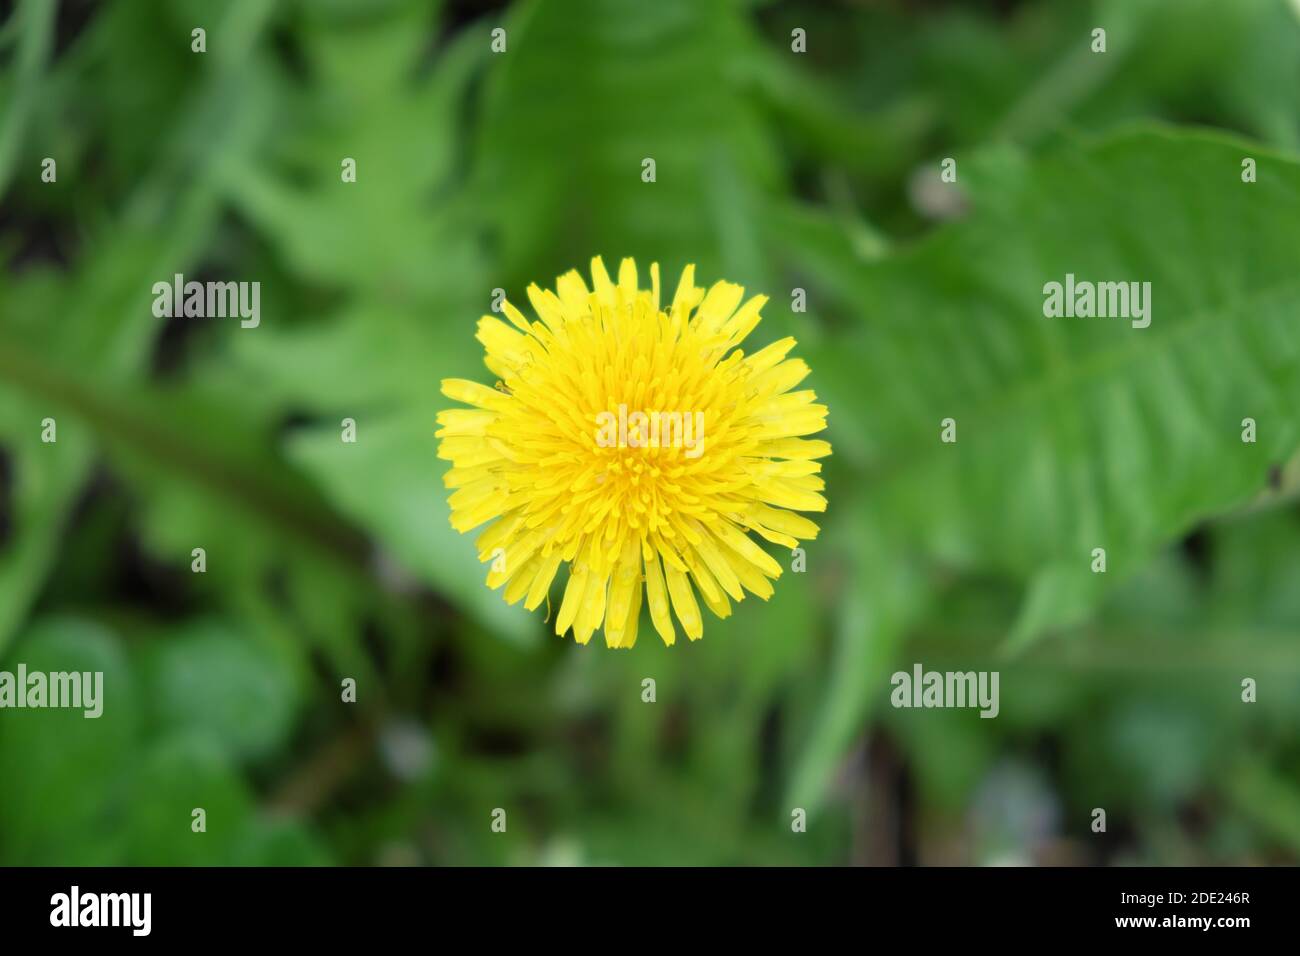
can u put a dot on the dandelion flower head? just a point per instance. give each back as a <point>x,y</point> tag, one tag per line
<point>637,445</point>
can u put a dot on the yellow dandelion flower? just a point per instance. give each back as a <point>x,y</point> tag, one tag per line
<point>636,445</point>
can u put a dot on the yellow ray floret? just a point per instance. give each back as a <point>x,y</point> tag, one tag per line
<point>636,444</point>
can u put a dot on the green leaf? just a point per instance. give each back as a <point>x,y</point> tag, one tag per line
<point>390,481</point>
<point>872,616</point>
<point>1268,799</point>
<point>208,482</point>
<point>559,177</point>
<point>410,294</point>
<point>398,130</point>
<point>1077,433</point>
<point>277,842</point>
<point>98,316</point>
<point>207,680</point>
<point>61,770</point>
<point>34,23</point>
<point>181,774</point>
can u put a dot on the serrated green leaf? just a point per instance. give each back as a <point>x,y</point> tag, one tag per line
<point>1076,433</point>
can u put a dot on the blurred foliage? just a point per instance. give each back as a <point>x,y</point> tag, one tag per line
<point>479,171</point>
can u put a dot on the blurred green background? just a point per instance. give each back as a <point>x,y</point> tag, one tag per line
<point>777,169</point>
